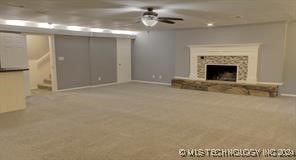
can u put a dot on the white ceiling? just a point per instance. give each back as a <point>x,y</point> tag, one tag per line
<point>123,14</point>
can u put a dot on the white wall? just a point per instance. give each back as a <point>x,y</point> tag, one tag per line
<point>37,46</point>
<point>39,59</point>
<point>38,72</point>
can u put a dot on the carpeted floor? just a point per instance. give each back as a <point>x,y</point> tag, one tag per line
<point>137,121</point>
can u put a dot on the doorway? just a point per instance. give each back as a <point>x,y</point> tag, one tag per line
<point>40,60</point>
<point>123,60</point>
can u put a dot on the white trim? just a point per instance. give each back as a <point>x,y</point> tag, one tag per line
<point>288,95</point>
<point>93,86</point>
<point>53,65</point>
<point>250,49</point>
<point>223,45</point>
<point>149,82</point>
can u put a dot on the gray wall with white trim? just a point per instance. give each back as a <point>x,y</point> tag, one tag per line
<point>289,86</point>
<point>154,52</point>
<point>85,59</point>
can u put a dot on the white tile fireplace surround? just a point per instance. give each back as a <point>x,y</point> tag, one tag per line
<point>244,56</point>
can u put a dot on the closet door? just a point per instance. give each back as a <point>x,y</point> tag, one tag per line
<point>72,61</point>
<point>102,60</point>
<point>123,60</point>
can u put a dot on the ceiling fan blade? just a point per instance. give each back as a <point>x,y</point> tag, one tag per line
<point>166,21</point>
<point>170,18</point>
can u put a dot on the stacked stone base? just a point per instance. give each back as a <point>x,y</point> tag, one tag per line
<point>228,87</point>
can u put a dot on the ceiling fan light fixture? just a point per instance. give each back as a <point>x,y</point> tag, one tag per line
<point>149,20</point>
<point>210,24</point>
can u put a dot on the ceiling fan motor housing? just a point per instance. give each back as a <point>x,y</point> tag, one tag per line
<point>149,18</point>
<point>150,13</point>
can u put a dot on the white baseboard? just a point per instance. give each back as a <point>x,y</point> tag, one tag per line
<point>93,86</point>
<point>149,82</point>
<point>288,95</point>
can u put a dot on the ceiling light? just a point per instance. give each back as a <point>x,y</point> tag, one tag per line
<point>123,32</point>
<point>15,22</point>
<point>45,25</point>
<point>210,24</point>
<point>149,20</point>
<point>96,30</point>
<point>74,28</point>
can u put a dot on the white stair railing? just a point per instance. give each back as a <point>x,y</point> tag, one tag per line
<point>44,58</point>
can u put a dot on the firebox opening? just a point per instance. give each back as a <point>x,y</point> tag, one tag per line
<point>221,72</point>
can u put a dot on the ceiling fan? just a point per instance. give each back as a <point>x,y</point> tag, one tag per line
<point>150,18</point>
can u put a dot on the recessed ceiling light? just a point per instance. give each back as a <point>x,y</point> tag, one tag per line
<point>210,24</point>
<point>46,25</point>
<point>96,30</point>
<point>15,22</point>
<point>74,28</point>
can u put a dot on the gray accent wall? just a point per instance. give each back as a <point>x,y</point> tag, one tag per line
<point>74,70</point>
<point>154,54</point>
<point>85,60</point>
<point>270,35</point>
<point>103,60</point>
<point>290,61</point>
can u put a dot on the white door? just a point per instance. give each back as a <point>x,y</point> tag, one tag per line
<point>123,59</point>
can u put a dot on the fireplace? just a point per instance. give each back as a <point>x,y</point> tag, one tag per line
<point>221,72</point>
<point>242,56</point>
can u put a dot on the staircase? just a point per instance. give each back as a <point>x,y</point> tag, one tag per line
<point>46,85</point>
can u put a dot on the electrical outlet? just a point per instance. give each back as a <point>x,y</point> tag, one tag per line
<point>99,78</point>
<point>160,77</point>
<point>61,58</point>
<point>153,76</point>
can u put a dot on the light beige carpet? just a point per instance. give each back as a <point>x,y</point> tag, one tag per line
<point>143,122</point>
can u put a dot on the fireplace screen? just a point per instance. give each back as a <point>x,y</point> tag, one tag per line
<point>221,72</point>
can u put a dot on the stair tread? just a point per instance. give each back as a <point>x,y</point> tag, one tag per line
<point>45,86</point>
<point>47,81</point>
